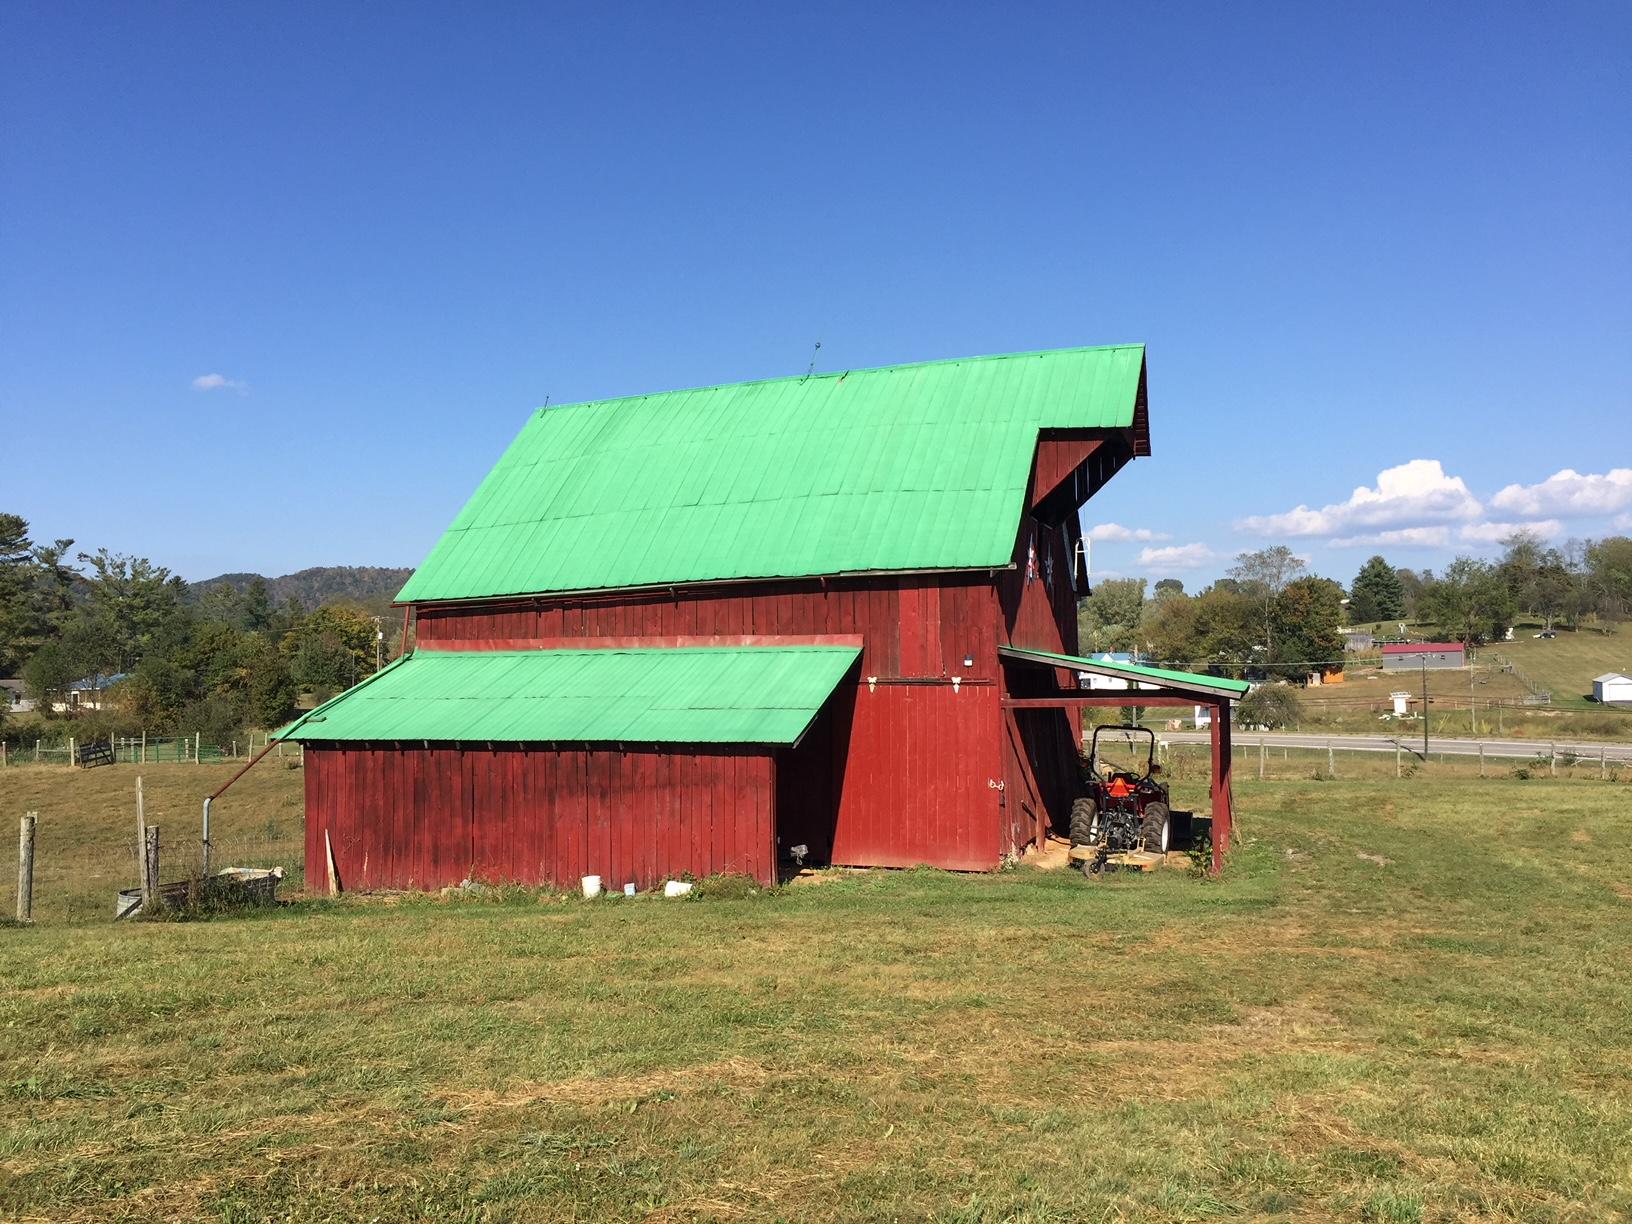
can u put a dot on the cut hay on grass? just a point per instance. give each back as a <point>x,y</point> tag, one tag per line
<point>1440,1035</point>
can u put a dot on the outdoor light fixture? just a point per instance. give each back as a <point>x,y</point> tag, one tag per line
<point>968,660</point>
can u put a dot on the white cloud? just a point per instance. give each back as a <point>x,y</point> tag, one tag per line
<point>1176,557</point>
<point>1400,537</point>
<point>219,382</point>
<point>1406,496</point>
<point>1569,493</point>
<point>1116,532</point>
<point>1494,533</point>
<point>1623,522</point>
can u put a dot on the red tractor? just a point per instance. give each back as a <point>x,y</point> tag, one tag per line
<point>1125,809</point>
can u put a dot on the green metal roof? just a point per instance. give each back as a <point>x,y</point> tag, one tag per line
<point>701,695</point>
<point>911,467</point>
<point>1193,682</point>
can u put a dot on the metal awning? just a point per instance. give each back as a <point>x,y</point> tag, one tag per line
<point>1205,689</point>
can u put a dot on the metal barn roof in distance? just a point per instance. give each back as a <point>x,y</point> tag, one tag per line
<point>689,695</point>
<point>908,467</point>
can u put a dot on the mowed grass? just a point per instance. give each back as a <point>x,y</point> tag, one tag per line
<point>1567,663</point>
<point>1405,1001</point>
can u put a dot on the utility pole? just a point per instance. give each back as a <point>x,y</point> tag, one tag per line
<point>1425,708</point>
<point>379,643</point>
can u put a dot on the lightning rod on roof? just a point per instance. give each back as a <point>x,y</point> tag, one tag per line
<point>811,369</point>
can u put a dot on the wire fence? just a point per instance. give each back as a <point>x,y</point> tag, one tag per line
<point>81,882</point>
<point>141,750</point>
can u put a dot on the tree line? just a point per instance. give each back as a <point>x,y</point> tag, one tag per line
<point>161,657</point>
<point>1270,617</point>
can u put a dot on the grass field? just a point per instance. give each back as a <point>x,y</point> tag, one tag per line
<point>1406,1001</point>
<point>1565,665</point>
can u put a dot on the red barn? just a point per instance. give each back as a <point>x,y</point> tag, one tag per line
<point>690,632</point>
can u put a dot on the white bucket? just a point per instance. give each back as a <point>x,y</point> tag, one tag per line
<point>677,888</point>
<point>592,886</point>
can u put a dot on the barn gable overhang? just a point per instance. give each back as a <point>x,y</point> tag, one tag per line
<point>920,468</point>
<point>766,695</point>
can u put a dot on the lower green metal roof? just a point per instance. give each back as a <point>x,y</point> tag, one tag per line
<point>692,695</point>
<point>1191,682</point>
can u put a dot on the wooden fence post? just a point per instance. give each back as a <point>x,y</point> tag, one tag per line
<point>25,867</point>
<point>1603,762</point>
<point>1262,753</point>
<point>1481,758</point>
<point>1331,761</point>
<point>198,739</point>
<point>1397,770</point>
<point>1552,759</point>
<point>150,870</point>
<point>36,752</point>
<point>144,745</point>
<point>71,758</point>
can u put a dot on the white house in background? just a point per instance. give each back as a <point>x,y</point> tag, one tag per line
<point>1612,686</point>
<point>13,699</point>
<point>1094,680</point>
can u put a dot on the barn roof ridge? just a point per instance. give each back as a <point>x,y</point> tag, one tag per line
<point>610,401</point>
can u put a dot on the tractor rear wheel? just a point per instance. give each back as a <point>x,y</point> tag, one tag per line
<point>1155,826</point>
<point>1084,822</point>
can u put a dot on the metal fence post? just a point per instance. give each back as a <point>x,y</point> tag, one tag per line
<point>25,867</point>
<point>206,870</point>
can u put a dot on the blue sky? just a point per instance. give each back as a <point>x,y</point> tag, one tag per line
<point>278,283</point>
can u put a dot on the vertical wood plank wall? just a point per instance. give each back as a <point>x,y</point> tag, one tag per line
<point>906,762</point>
<point>402,816</point>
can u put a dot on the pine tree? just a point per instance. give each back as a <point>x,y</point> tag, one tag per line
<point>1378,594</point>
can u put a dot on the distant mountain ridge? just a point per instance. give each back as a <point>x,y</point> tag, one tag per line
<point>363,584</point>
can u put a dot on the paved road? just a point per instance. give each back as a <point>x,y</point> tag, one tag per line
<point>1587,750</point>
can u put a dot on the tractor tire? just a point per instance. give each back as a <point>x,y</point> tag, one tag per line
<point>1156,827</point>
<point>1084,822</point>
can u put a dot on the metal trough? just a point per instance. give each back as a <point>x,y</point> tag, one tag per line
<point>244,885</point>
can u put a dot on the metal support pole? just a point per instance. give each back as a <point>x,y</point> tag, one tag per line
<point>207,802</point>
<point>25,867</point>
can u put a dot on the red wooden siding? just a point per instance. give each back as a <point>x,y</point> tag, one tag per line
<point>900,775</point>
<point>916,625</point>
<point>401,816</point>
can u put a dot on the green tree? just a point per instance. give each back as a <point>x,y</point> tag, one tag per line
<point>1269,705</point>
<point>136,606</point>
<point>17,610</point>
<point>1108,619</point>
<point>1608,565</point>
<point>255,612</point>
<point>1166,588</point>
<point>1377,594</point>
<point>332,649</point>
<point>1308,622</point>
<point>1469,600</point>
<point>1263,575</point>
